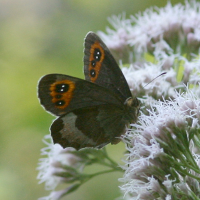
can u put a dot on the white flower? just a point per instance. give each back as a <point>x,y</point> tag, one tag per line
<point>159,150</point>
<point>170,26</point>
<point>55,195</point>
<point>117,39</point>
<point>55,158</point>
<point>138,79</point>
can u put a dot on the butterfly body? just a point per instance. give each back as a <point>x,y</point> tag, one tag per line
<point>92,112</point>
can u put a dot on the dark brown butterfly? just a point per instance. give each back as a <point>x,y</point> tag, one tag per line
<point>92,112</point>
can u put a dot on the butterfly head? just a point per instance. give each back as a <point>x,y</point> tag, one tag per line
<point>132,109</point>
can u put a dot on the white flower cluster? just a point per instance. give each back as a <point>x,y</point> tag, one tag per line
<point>157,41</point>
<point>139,78</point>
<point>164,151</point>
<point>55,158</point>
<point>164,146</point>
<point>67,166</point>
<point>156,28</point>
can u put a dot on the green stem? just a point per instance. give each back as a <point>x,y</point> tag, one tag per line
<point>112,163</point>
<point>88,177</point>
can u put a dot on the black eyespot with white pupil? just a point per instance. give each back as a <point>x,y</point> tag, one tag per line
<point>60,103</point>
<point>93,63</point>
<point>92,73</point>
<point>97,54</point>
<point>58,96</point>
<point>61,88</point>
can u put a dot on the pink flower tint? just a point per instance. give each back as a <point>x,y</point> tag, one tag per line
<point>56,158</point>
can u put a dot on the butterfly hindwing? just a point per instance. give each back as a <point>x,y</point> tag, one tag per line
<point>89,127</point>
<point>60,94</point>
<point>101,68</point>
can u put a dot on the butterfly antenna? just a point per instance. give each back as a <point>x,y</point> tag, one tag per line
<point>155,78</point>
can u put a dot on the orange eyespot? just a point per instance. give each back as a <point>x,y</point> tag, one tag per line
<point>62,92</point>
<point>97,56</point>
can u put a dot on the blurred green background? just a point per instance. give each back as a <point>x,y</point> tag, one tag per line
<point>36,38</point>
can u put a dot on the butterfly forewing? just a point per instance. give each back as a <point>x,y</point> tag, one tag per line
<point>61,94</point>
<point>101,68</point>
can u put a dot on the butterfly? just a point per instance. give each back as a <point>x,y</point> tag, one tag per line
<point>91,112</point>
